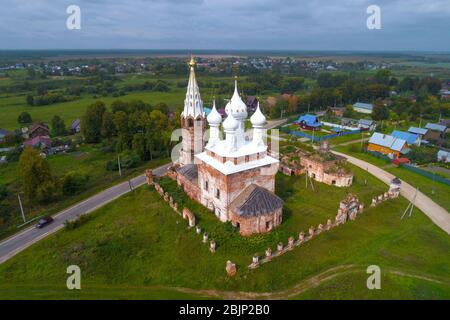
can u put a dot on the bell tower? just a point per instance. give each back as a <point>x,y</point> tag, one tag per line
<point>193,120</point>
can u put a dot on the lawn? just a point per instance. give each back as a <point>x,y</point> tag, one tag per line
<point>436,190</point>
<point>88,160</point>
<point>137,247</point>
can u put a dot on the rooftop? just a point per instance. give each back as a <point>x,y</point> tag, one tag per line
<point>255,201</point>
<point>411,138</point>
<point>387,141</point>
<point>417,130</point>
<point>436,127</point>
<point>362,105</point>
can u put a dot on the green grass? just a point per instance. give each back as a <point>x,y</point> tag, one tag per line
<point>87,160</point>
<point>393,286</point>
<point>137,245</point>
<point>12,106</point>
<point>438,191</point>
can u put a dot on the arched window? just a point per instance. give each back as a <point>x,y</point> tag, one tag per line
<point>190,123</point>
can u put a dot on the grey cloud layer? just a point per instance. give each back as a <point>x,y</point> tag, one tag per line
<point>227,24</point>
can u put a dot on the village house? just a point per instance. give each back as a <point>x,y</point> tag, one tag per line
<point>443,156</point>
<point>411,138</point>
<point>388,145</point>
<point>435,131</point>
<point>38,129</point>
<point>366,124</point>
<point>75,127</point>
<point>40,142</point>
<point>363,107</point>
<point>309,122</point>
<point>3,134</point>
<point>251,103</point>
<point>337,111</point>
<point>233,177</point>
<point>420,132</point>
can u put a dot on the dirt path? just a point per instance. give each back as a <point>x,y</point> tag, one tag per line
<point>349,142</point>
<point>435,212</point>
<point>301,287</point>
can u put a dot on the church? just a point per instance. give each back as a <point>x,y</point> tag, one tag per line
<point>233,176</point>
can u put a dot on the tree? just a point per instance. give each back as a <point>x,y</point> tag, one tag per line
<point>91,122</point>
<point>24,118</point>
<point>37,180</point>
<point>74,183</point>
<point>108,127</point>
<point>30,99</point>
<point>58,126</point>
<point>380,111</point>
<point>349,111</point>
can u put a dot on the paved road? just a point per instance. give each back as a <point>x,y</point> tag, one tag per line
<point>435,212</point>
<point>18,242</point>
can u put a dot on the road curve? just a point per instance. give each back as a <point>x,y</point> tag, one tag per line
<point>435,212</point>
<point>22,240</point>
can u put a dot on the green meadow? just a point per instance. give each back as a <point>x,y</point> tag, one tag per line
<point>137,247</point>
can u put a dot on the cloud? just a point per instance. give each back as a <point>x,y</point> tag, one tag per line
<point>226,24</point>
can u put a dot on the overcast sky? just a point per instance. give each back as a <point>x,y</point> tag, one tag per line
<point>226,24</point>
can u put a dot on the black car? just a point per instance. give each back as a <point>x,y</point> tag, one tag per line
<point>44,221</point>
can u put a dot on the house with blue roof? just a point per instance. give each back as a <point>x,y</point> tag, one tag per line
<point>309,122</point>
<point>419,131</point>
<point>388,145</point>
<point>363,107</point>
<point>435,131</point>
<point>411,138</point>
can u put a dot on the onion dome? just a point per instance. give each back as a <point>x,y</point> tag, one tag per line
<point>236,106</point>
<point>258,119</point>
<point>214,116</point>
<point>230,123</point>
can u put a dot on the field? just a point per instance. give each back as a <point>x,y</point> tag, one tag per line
<point>12,106</point>
<point>137,247</point>
<point>437,191</point>
<point>88,160</point>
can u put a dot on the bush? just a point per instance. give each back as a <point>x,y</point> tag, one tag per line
<point>14,155</point>
<point>73,224</point>
<point>3,192</point>
<point>73,183</point>
<point>127,160</point>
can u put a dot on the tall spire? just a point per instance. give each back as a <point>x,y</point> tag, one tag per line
<point>193,104</point>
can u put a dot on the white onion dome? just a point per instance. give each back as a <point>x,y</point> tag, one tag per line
<point>236,106</point>
<point>258,119</point>
<point>230,123</point>
<point>214,116</point>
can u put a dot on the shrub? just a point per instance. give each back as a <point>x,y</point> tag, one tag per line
<point>73,224</point>
<point>127,160</point>
<point>3,192</point>
<point>74,183</point>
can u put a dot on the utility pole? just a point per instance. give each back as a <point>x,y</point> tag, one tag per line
<point>118,163</point>
<point>410,206</point>
<point>21,208</point>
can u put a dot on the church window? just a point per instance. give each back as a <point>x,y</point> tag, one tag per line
<point>217,193</point>
<point>206,185</point>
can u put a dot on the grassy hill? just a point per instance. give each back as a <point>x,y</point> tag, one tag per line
<point>137,247</point>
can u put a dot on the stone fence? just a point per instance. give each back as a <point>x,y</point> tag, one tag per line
<point>185,214</point>
<point>349,208</point>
